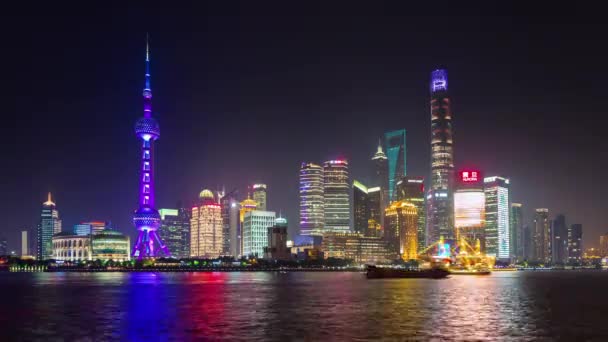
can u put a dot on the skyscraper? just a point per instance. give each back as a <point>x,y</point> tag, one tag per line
<point>559,240</point>
<point>360,208</point>
<point>470,211</point>
<point>25,250</point>
<point>245,206</point>
<point>312,208</point>
<point>206,227</point>
<point>146,218</point>
<point>255,232</point>
<point>497,229</point>
<point>175,229</point>
<point>440,214</point>
<point>83,229</point>
<point>380,175</point>
<point>3,246</point>
<point>260,195</point>
<point>375,207</point>
<point>49,224</point>
<point>604,245</point>
<point>517,232</point>
<point>395,151</point>
<point>277,241</point>
<point>575,243</point>
<point>336,195</point>
<point>411,189</point>
<point>230,221</point>
<point>540,236</point>
<point>401,229</point>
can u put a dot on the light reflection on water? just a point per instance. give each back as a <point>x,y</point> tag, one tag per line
<point>516,306</point>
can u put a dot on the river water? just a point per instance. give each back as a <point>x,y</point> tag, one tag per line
<point>313,306</point>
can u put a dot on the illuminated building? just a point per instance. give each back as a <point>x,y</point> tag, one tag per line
<point>375,205</point>
<point>528,243</point>
<point>146,218</point>
<point>541,236</point>
<point>83,229</point>
<point>110,245</point>
<point>497,230</point>
<point>255,232</point>
<point>604,245</point>
<point>277,241</point>
<point>245,207</point>
<point>401,229</point>
<point>559,240</point>
<point>260,195</point>
<point>312,209</point>
<point>206,227</point>
<point>575,243</point>
<point>3,246</point>
<point>440,214</point>
<point>380,175</point>
<point>411,189</point>
<point>356,247</point>
<point>175,229</point>
<point>360,208</point>
<point>396,153</point>
<point>336,196</point>
<point>69,247</point>
<point>49,225</point>
<point>230,223</point>
<point>470,215</point>
<point>517,232</point>
<point>25,251</point>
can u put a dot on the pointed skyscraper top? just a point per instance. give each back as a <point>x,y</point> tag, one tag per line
<point>147,47</point>
<point>380,153</point>
<point>49,201</point>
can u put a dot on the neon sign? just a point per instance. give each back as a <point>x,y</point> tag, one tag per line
<point>470,176</point>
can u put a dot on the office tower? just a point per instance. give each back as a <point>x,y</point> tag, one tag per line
<point>440,220</point>
<point>175,229</point>
<point>528,243</point>
<point>540,236</point>
<point>411,189</point>
<point>49,224</point>
<point>206,227</point>
<point>230,223</point>
<point>245,206</point>
<point>395,151</point>
<point>360,208</point>
<point>497,229</point>
<point>375,205</point>
<point>604,245</point>
<point>358,248</point>
<point>277,241</point>
<point>470,212</point>
<point>146,218</point>
<point>380,175</point>
<point>255,232</point>
<point>24,243</point>
<point>336,195</point>
<point>559,240</point>
<point>575,243</point>
<point>82,229</point>
<point>260,195</point>
<point>517,232</point>
<point>312,208</point>
<point>401,229</point>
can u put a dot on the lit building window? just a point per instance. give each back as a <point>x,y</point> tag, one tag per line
<point>147,189</point>
<point>146,177</point>
<point>146,154</point>
<point>147,166</point>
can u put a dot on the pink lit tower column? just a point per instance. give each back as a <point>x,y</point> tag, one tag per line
<point>146,217</point>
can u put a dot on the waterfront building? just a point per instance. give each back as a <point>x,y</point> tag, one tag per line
<point>375,205</point>
<point>401,229</point>
<point>604,245</point>
<point>206,227</point>
<point>380,175</point>
<point>559,240</point>
<point>110,245</point>
<point>541,236</point>
<point>82,229</point>
<point>360,208</point>
<point>517,232</point>
<point>25,250</point>
<point>528,243</point>
<point>277,241</point>
<point>146,218</point>
<point>470,217</point>
<point>70,247</point>
<point>356,247</point>
<point>175,229</point>
<point>49,225</point>
<point>260,195</point>
<point>336,196</point>
<point>497,227</point>
<point>575,243</point>
<point>396,153</point>
<point>411,189</point>
<point>230,223</point>
<point>245,206</point>
<point>440,213</point>
<point>312,208</point>
<point>255,232</point>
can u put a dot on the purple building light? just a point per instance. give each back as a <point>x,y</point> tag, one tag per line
<point>146,218</point>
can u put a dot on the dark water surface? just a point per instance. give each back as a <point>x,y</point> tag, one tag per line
<point>517,306</point>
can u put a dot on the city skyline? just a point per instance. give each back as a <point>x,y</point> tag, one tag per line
<point>116,193</point>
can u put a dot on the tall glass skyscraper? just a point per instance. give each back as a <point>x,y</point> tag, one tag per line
<point>497,229</point>
<point>175,229</point>
<point>312,208</point>
<point>336,195</point>
<point>395,151</point>
<point>411,189</point>
<point>380,175</point>
<point>559,240</point>
<point>541,236</point>
<point>230,221</point>
<point>255,232</point>
<point>260,195</point>
<point>517,232</point>
<point>360,208</point>
<point>575,243</point>
<point>440,213</point>
<point>206,227</point>
<point>49,225</point>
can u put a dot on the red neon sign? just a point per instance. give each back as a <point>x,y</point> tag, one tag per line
<point>470,176</point>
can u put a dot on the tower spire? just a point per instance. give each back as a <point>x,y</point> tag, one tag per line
<point>147,89</point>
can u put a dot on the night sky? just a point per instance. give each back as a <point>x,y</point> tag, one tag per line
<point>244,93</point>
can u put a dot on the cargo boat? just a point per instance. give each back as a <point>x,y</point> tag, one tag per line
<point>374,272</point>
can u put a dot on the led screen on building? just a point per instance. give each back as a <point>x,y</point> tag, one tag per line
<point>469,209</point>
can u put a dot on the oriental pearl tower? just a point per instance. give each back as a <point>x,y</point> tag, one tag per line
<point>146,218</point>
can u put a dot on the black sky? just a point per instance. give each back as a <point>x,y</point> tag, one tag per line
<point>244,93</point>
